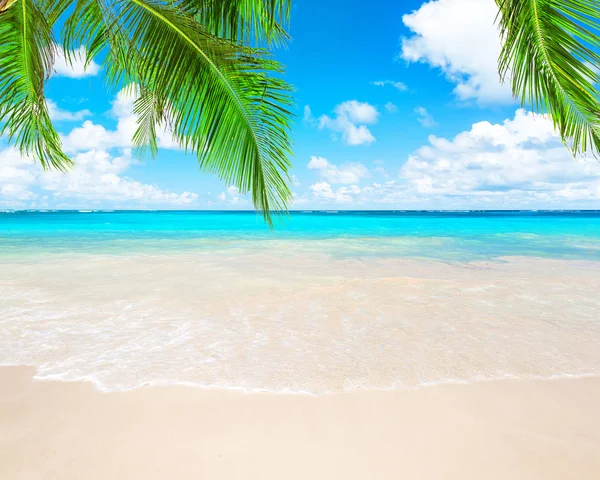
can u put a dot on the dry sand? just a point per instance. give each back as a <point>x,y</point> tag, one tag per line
<point>521,429</point>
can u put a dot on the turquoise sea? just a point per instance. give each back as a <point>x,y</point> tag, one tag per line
<point>449,236</point>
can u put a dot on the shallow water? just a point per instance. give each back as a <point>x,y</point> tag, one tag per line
<point>333,302</point>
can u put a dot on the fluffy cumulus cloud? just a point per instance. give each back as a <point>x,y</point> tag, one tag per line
<point>76,68</point>
<point>98,179</point>
<point>343,195</point>
<point>102,158</point>
<point>232,196</point>
<point>58,114</point>
<point>519,163</point>
<point>94,136</point>
<point>346,174</point>
<point>424,117</point>
<point>397,85</point>
<point>350,120</point>
<point>16,177</point>
<point>461,38</point>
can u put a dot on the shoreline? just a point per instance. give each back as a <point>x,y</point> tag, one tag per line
<point>56,378</point>
<point>317,325</point>
<point>529,429</point>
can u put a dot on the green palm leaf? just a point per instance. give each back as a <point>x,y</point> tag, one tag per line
<point>550,53</point>
<point>26,56</point>
<point>244,20</point>
<point>220,99</point>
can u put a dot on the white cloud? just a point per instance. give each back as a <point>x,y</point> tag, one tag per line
<point>358,112</point>
<point>58,114</point>
<point>519,163</point>
<point>299,199</point>
<point>382,171</point>
<point>97,179</point>
<point>93,136</point>
<point>425,117</point>
<point>397,85</point>
<point>232,196</point>
<point>459,37</point>
<point>98,176</point>
<point>308,116</point>
<point>347,173</point>
<point>351,118</point>
<point>77,67</point>
<point>323,191</point>
<point>317,163</point>
<point>390,107</point>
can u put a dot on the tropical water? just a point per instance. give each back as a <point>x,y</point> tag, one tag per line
<point>325,302</point>
<point>459,236</point>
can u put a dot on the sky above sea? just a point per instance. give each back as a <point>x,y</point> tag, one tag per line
<point>398,106</point>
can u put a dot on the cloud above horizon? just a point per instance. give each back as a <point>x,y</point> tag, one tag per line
<point>98,179</point>
<point>58,114</point>
<point>519,163</point>
<point>350,121</point>
<point>102,158</point>
<point>347,173</point>
<point>460,38</point>
<point>91,135</point>
<point>424,117</point>
<point>400,86</point>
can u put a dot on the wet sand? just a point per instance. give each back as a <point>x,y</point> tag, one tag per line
<point>511,429</point>
<point>302,323</point>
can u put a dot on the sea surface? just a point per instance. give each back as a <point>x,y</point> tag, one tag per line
<point>325,302</point>
<point>451,236</point>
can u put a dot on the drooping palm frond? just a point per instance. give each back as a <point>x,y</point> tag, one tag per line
<point>551,55</point>
<point>221,100</point>
<point>225,102</point>
<point>26,56</point>
<point>244,20</point>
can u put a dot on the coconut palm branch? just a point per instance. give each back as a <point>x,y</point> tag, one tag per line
<point>27,52</point>
<point>551,56</point>
<point>220,98</point>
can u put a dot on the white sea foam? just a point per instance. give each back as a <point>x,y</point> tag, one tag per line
<point>310,325</point>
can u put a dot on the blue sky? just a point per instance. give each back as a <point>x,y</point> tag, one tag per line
<point>398,106</point>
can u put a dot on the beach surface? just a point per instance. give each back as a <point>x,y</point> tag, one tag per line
<point>377,345</point>
<point>510,429</point>
<point>297,323</point>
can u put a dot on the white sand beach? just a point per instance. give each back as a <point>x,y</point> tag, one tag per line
<point>245,366</point>
<point>513,429</point>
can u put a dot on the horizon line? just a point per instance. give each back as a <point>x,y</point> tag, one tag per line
<point>282,212</point>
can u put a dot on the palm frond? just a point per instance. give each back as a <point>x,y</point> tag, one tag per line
<point>221,100</point>
<point>244,20</point>
<point>225,104</point>
<point>94,25</point>
<point>26,56</point>
<point>550,53</point>
<point>151,113</point>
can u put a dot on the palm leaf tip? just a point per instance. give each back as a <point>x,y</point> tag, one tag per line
<point>549,50</point>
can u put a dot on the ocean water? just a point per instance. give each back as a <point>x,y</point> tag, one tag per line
<point>460,236</point>
<point>326,302</point>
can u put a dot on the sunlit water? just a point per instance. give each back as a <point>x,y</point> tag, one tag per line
<point>326,302</point>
